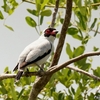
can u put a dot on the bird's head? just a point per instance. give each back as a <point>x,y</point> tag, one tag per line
<point>50,32</point>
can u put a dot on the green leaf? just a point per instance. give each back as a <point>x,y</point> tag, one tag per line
<point>96,29</point>
<point>78,37</point>
<point>21,92</point>
<point>73,90</point>
<point>95,48</point>
<point>69,51</point>
<point>82,23</point>
<point>78,95</point>
<point>38,5</point>
<point>97,72</point>
<point>30,21</point>
<point>72,31</point>
<point>13,92</point>
<point>46,12</point>
<point>9,27</point>
<point>33,12</point>
<point>69,97</point>
<point>81,63</point>
<point>41,20</point>
<point>44,3</point>
<point>93,24</point>
<point>1,15</point>
<point>78,51</point>
<point>85,66</point>
<point>61,96</point>
<point>6,69</point>
<point>85,39</point>
<point>9,6</point>
<point>83,11</point>
<point>61,20</point>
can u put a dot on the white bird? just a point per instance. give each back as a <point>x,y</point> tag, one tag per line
<point>37,52</point>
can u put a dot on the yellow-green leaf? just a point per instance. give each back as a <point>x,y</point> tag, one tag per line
<point>46,12</point>
<point>9,27</point>
<point>1,15</point>
<point>30,21</point>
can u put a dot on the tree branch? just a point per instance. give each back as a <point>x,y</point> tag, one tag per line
<point>52,6</point>
<point>84,72</point>
<point>56,68</point>
<point>40,82</point>
<point>54,13</point>
<point>63,32</point>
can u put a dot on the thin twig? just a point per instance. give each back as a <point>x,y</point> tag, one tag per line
<point>54,13</point>
<point>55,69</point>
<point>52,6</point>
<point>95,31</point>
<point>84,72</point>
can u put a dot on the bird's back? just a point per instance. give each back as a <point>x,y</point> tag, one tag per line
<point>36,51</point>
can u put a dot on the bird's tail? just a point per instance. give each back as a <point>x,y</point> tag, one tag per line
<point>18,76</point>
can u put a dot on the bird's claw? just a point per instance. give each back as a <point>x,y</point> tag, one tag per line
<point>41,72</point>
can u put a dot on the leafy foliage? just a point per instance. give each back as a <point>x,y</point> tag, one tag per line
<point>76,85</point>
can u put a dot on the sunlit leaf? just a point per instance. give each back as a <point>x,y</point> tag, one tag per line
<point>82,20</point>
<point>78,37</point>
<point>78,51</point>
<point>44,3</point>
<point>30,21</point>
<point>1,15</point>
<point>38,5</point>
<point>33,12</point>
<point>78,95</point>
<point>6,69</point>
<point>69,51</point>
<point>97,71</point>
<point>20,93</point>
<point>73,90</point>
<point>95,48</point>
<point>83,11</point>
<point>61,96</point>
<point>93,24</point>
<point>61,20</point>
<point>9,27</point>
<point>14,96</point>
<point>46,12</point>
<point>98,25</point>
<point>41,20</point>
<point>72,31</point>
<point>85,39</point>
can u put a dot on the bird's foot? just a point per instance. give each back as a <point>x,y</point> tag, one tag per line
<point>41,72</point>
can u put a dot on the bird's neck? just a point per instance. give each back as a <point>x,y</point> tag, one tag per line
<point>50,38</point>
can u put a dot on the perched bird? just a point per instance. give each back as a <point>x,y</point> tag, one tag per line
<point>37,52</point>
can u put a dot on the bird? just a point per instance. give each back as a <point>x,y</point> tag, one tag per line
<point>37,52</point>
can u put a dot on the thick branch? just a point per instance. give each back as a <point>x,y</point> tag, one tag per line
<point>56,68</point>
<point>42,81</point>
<point>63,32</point>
